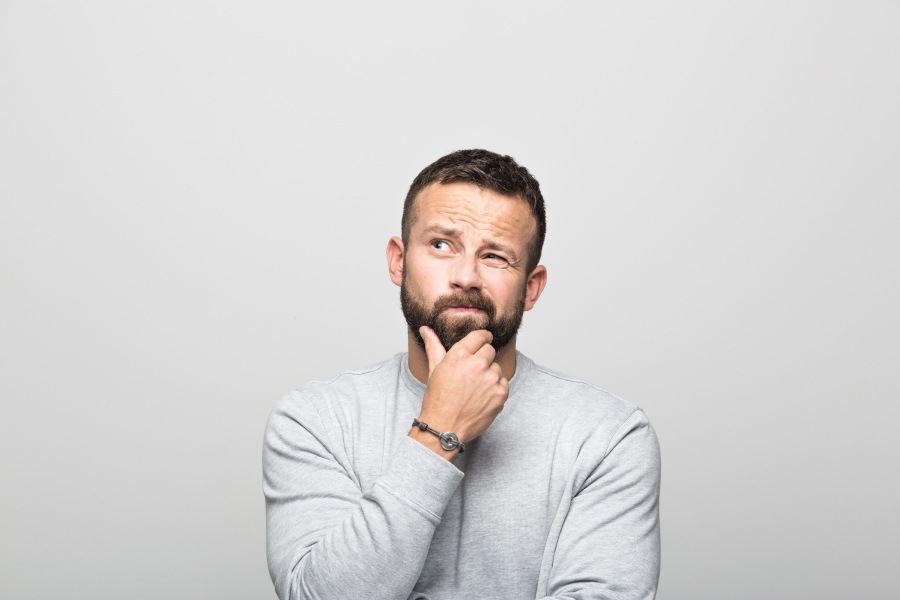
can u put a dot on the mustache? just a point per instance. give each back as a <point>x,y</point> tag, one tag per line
<point>468,298</point>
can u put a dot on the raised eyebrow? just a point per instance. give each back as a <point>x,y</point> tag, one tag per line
<point>440,230</point>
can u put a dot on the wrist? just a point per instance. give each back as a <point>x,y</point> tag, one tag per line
<point>449,440</point>
<point>443,443</point>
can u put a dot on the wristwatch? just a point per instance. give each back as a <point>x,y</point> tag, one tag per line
<point>449,441</point>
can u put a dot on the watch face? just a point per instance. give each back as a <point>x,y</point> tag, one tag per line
<point>449,441</point>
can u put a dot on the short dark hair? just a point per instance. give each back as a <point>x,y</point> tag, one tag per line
<point>487,170</point>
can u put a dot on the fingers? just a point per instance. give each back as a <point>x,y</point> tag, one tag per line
<point>434,349</point>
<point>477,343</point>
<point>496,370</point>
<point>487,352</point>
<point>477,339</point>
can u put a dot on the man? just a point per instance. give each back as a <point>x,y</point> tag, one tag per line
<point>462,470</point>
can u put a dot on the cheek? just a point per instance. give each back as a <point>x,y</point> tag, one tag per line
<point>504,291</point>
<point>425,277</point>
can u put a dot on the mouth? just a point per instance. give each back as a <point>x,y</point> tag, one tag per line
<point>465,309</point>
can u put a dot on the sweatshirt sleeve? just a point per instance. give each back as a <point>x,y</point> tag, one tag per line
<point>327,538</point>
<point>609,546</point>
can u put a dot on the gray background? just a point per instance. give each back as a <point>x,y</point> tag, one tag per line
<point>196,197</point>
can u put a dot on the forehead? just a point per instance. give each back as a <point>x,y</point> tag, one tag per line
<point>473,210</point>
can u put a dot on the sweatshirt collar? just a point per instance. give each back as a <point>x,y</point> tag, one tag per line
<point>524,366</point>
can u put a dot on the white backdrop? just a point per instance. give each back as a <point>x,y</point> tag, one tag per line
<point>196,197</point>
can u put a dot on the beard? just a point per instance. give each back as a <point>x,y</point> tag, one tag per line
<point>452,328</point>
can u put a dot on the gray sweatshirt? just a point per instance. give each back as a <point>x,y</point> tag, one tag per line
<point>557,499</point>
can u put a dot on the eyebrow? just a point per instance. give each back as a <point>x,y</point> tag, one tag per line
<point>451,232</point>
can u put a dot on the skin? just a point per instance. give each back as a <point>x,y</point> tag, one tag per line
<point>465,238</point>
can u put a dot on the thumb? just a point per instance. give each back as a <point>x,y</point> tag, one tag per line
<point>434,349</point>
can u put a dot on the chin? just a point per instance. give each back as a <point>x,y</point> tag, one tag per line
<point>467,324</point>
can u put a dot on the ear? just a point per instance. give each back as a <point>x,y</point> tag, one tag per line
<point>395,252</point>
<point>534,286</point>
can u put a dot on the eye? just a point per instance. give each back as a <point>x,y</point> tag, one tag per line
<point>440,245</point>
<point>495,260</point>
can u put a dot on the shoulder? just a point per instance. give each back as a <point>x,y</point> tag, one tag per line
<point>348,382</point>
<point>573,393</point>
<point>313,402</point>
<point>583,413</point>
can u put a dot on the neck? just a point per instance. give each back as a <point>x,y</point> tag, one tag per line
<point>418,360</point>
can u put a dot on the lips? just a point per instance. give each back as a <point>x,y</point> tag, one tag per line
<point>470,303</point>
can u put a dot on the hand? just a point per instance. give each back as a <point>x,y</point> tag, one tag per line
<point>466,389</point>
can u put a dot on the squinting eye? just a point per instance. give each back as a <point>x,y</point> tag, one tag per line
<point>495,258</point>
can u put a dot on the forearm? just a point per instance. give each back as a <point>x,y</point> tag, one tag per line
<point>324,543</point>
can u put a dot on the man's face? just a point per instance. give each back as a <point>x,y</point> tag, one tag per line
<point>464,263</point>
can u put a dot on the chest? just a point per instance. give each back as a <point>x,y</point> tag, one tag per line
<point>496,528</point>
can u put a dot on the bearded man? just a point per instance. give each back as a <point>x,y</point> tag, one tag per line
<point>405,480</point>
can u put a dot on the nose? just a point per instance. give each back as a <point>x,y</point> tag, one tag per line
<point>464,274</point>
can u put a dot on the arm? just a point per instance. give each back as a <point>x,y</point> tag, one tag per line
<point>325,537</point>
<point>608,547</point>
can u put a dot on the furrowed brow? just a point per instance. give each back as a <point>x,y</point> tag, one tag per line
<point>452,233</point>
<point>494,245</point>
